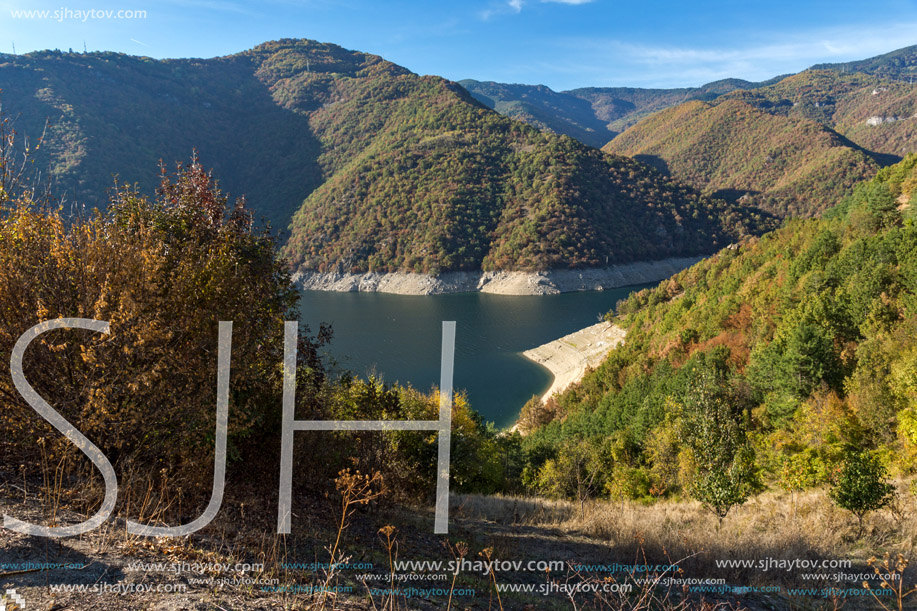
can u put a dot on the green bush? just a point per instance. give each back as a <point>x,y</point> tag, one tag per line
<point>861,486</point>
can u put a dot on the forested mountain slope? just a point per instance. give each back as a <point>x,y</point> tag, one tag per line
<point>873,111</point>
<point>793,146</point>
<point>783,357</point>
<point>815,132</point>
<point>370,166</point>
<point>789,165</point>
<point>900,64</point>
<point>870,101</point>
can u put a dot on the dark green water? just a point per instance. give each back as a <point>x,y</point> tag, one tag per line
<point>398,337</point>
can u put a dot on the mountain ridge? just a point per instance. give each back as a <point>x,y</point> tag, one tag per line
<point>897,65</point>
<point>372,167</point>
<point>791,166</point>
<point>593,115</point>
<point>870,106</point>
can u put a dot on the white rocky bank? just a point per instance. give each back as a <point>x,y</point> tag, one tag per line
<point>501,283</point>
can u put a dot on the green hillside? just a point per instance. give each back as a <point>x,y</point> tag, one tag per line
<point>113,114</point>
<point>370,166</point>
<point>789,165</point>
<point>792,146</point>
<point>842,96</point>
<point>775,364</point>
<point>812,94</point>
<point>867,111</point>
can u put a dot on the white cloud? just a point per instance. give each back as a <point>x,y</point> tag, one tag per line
<point>515,7</point>
<point>606,61</point>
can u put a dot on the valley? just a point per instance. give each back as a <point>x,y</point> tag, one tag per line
<point>686,333</point>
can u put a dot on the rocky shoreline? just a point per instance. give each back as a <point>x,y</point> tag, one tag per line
<point>500,283</point>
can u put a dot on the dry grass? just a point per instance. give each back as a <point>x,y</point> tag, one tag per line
<point>513,510</point>
<point>779,526</point>
<point>773,525</point>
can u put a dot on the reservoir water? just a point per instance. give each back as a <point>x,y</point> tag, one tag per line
<point>398,338</point>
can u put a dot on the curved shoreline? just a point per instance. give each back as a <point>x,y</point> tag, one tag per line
<point>569,357</point>
<point>500,283</point>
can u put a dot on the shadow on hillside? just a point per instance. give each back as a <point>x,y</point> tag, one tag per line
<point>733,196</point>
<point>126,115</point>
<point>36,561</point>
<point>654,161</point>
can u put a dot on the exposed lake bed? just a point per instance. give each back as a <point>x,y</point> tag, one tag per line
<point>548,282</point>
<point>570,356</point>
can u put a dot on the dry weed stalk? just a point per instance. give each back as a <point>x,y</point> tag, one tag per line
<point>391,544</point>
<point>895,582</point>
<point>644,593</point>
<point>356,489</point>
<point>488,552</point>
<point>459,551</point>
<point>150,509</point>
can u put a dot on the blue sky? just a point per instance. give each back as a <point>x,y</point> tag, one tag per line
<point>559,43</point>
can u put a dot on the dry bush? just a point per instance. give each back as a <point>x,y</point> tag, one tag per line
<point>536,414</point>
<point>163,273</point>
